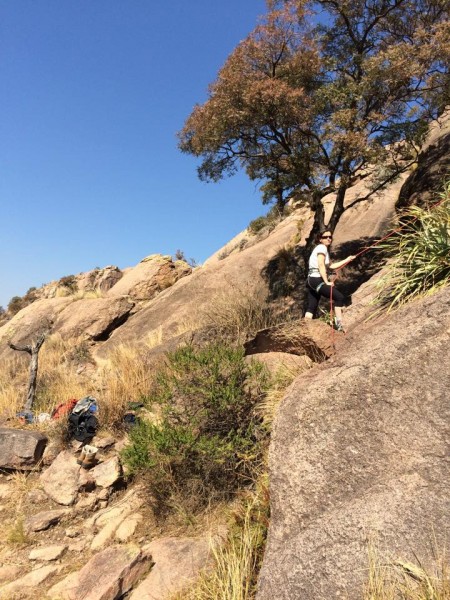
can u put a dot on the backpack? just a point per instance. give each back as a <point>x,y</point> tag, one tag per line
<point>82,424</point>
<point>64,408</point>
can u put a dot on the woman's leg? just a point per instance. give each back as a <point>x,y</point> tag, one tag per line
<point>312,303</point>
<point>338,301</point>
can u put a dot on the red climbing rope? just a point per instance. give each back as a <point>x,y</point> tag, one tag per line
<point>363,251</point>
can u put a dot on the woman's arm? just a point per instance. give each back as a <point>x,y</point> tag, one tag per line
<point>341,263</point>
<point>323,269</point>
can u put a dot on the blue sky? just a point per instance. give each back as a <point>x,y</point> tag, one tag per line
<point>92,95</point>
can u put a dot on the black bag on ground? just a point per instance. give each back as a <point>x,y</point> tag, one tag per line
<point>82,424</point>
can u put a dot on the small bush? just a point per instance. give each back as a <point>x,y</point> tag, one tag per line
<point>69,282</point>
<point>269,221</point>
<point>420,254</point>
<point>209,438</point>
<point>15,304</point>
<point>16,534</point>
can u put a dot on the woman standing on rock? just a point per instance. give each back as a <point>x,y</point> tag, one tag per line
<point>318,281</point>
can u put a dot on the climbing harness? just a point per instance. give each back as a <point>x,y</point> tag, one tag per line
<point>317,288</point>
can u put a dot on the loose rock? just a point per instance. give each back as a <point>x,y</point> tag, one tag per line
<point>107,576</point>
<point>127,528</point>
<point>107,473</point>
<point>178,561</point>
<point>43,520</point>
<point>9,572</point>
<point>60,480</point>
<point>20,449</point>
<point>31,580</point>
<point>47,553</point>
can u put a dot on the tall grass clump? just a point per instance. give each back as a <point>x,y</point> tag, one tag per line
<point>239,312</point>
<point>401,580</point>
<point>420,253</point>
<point>208,440</point>
<point>237,559</point>
<point>126,377</point>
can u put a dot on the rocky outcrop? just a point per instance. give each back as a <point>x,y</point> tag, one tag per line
<point>182,306</point>
<point>359,447</point>
<point>31,320</point>
<point>94,319</point>
<point>20,449</point>
<point>303,338</point>
<point>96,280</point>
<point>432,169</point>
<point>152,275</point>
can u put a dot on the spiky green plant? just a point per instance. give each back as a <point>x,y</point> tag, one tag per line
<point>420,254</point>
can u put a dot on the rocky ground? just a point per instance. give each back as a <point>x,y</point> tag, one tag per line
<point>72,533</point>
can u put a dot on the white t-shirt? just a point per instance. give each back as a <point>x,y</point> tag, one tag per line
<point>313,262</point>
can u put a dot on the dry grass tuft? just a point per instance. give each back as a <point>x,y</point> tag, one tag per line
<point>276,392</point>
<point>420,251</point>
<point>126,377</point>
<point>239,312</point>
<point>401,580</point>
<point>237,561</point>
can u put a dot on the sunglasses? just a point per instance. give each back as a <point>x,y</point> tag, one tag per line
<point>327,237</point>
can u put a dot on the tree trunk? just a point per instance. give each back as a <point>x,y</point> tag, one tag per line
<point>338,207</point>
<point>32,379</point>
<point>318,225</point>
<point>33,350</point>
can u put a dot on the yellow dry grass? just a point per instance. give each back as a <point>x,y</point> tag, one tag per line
<point>401,580</point>
<point>126,376</point>
<point>239,312</point>
<point>237,559</point>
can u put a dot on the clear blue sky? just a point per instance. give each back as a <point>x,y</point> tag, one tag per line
<point>92,95</point>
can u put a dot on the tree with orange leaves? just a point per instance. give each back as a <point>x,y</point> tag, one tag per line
<point>322,92</point>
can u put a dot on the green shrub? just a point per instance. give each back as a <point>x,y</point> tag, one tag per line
<point>257,224</point>
<point>270,220</point>
<point>420,253</point>
<point>209,438</point>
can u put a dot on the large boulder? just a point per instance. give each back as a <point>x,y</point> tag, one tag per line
<point>152,275</point>
<point>20,449</point>
<point>359,447</point>
<point>30,321</point>
<point>432,168</point>
<point>94,318</point>
<point>100,280</point>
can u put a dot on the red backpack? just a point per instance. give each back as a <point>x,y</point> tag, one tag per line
<point>65,408</point>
